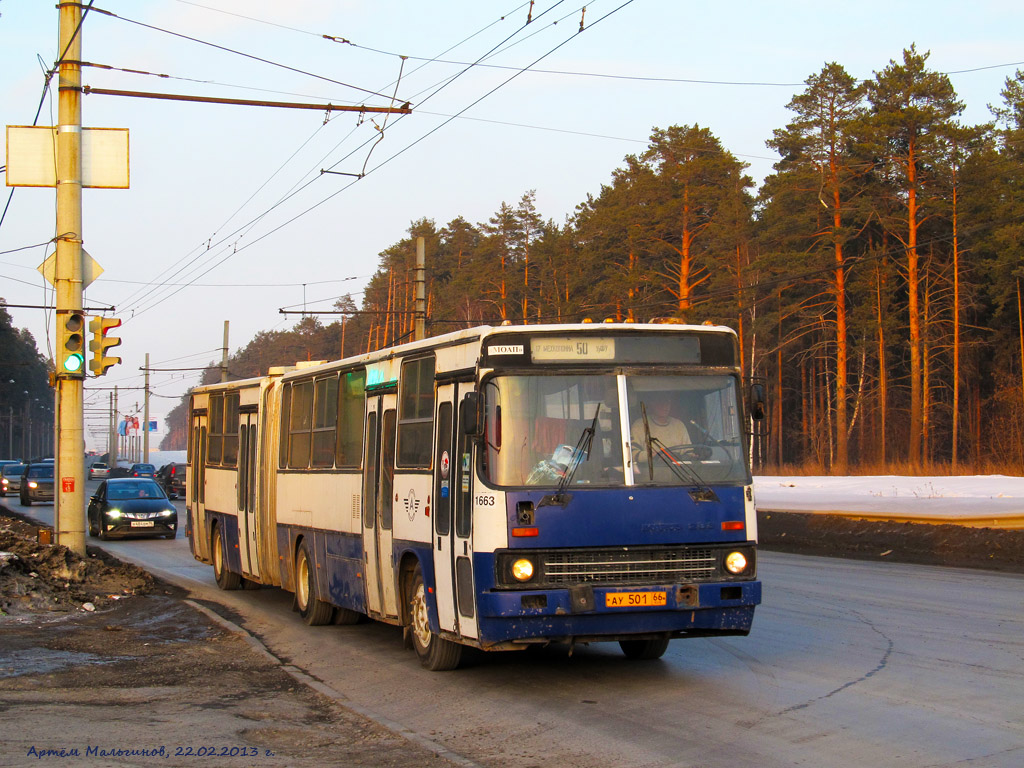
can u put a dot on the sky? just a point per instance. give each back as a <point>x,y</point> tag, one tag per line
<point>229,217</point>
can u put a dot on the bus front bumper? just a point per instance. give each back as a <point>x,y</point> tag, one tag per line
<point>599,613</point>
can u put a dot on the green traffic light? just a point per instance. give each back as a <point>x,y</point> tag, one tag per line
<point>74,363</point>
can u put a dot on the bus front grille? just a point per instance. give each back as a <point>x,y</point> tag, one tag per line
<point>629,566</point>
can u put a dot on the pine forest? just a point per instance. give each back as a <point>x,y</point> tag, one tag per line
<point>875,278</point>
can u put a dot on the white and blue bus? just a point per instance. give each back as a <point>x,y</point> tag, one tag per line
<point>496,487</point>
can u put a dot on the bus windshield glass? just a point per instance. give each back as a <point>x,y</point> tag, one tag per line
<point>540,428</point>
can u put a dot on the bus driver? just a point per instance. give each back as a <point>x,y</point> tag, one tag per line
<point>663,426</point>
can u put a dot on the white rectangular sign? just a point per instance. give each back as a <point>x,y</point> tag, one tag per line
<point>570,349</point>
<point>32,157</point>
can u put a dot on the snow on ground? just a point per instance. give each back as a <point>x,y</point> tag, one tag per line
<point>896,497</point>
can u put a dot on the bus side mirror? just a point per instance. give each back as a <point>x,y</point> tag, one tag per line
<point>757,402</point>
<point>470,417</point>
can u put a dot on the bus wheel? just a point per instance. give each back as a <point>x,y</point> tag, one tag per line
<point>644,650</point>
<point>312,609</point>
<point>436,653</point>
<point>225,579</point>
<point>346,616</point>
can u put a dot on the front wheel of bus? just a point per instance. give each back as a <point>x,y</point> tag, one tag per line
<point>644,650</point>
<point>312,609</point>
<point>435,653</point>
<point>225,579</point>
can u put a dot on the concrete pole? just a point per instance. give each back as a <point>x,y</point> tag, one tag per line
<point>112,449</point>
<point>224,355</point>
<point>69,482</point>
<point>420,323</point>
<point>145,416</point>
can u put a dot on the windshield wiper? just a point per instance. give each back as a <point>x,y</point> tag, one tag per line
<point>683,471</point>
<point>647,440</point>
<point>581,451</point>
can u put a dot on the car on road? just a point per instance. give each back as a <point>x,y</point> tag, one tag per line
<point>172,478</point>
<point>36,483</point>
<point>131,506</point>
<point>10,478</point>
<point>143,470</point>
<point>98,470</point>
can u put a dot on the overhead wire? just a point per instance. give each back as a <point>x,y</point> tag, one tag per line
<point>236,52</point>
<point>144,306</point>
<point>407,147</point>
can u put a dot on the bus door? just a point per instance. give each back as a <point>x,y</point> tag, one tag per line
<point>248,533</point>
<point>196,497</point>
<point>378,506</point>
<point>453,497</point>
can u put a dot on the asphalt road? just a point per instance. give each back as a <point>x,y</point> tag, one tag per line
<point>849,664</point>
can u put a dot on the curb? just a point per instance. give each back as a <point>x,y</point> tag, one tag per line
<point>1010,522</point>
<point>326,690</point>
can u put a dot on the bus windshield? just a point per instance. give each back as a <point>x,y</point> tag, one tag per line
<point>678,429</point>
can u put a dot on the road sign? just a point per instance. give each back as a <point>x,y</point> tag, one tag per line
<point>32,157</point>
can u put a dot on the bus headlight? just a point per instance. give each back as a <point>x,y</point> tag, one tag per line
<point>522,569</point>
<point>736,563</point>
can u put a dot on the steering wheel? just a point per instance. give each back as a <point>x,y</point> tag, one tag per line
<point>690,452</point>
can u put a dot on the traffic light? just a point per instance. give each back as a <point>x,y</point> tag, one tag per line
<point>101,343</point>
<point>71,345</point>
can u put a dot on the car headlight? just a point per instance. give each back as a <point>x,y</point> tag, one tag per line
<point>33,484</point>
<point>735,563</point>
<point>168,512</point>
<point>522,569</point>
<point>114,513</point>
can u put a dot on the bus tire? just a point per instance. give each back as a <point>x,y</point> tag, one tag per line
<point>226,579</point>
<point>644,650</point>
<point>346,616</point>
<point>311,608</point>
<point>435,653</point>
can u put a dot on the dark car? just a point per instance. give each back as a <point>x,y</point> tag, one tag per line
<point>142,470</point>
<point>172,478</point>
<point>131,506</point>
<point>10,478</point>
<point>36,483</point>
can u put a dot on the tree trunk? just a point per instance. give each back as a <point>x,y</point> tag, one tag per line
<point>956,331</point>
<point>883,381</point>
<point>914,310</point>
<point>842,351</point>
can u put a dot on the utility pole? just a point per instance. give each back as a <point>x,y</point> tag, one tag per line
<point>224,355</point>
<point>112,448</point>
<point>69,517</point>
<point>420,322</point>
<point>145,415</point>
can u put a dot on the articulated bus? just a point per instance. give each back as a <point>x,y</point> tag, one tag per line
<point>495,487</point>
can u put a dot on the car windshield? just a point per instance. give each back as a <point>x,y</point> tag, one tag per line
<point>144,468</point>
<point>142,489</point>
<point>42,470</point>
<point>13,470</point>
<point>541,428</point>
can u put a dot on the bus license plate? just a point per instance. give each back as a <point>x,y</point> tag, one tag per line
<point>142,523</point>
<point>635,599</point>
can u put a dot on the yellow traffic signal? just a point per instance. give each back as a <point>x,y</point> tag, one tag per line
<point>71,345</point>
<point>101,343</point>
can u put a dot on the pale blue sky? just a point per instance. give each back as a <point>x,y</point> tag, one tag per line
<point>200,172</point>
